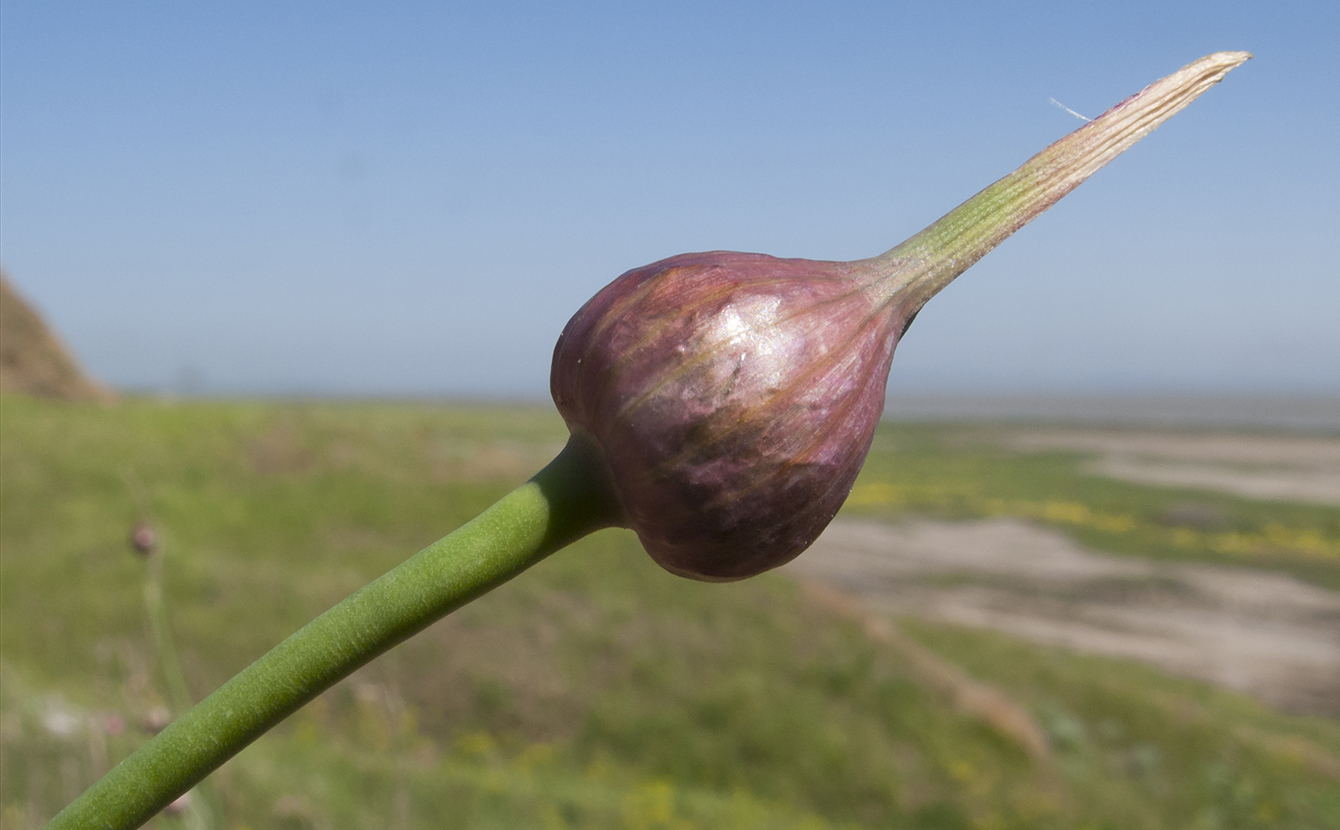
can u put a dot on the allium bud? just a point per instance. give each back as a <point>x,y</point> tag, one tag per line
<point>734,396</point>
<point>143,539</point>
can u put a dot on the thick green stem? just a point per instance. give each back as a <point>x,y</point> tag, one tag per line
<point>565,501</point>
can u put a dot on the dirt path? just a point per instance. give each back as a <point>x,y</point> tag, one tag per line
<point>1256,632</point>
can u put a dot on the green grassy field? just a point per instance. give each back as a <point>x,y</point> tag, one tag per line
<point>595,690</point>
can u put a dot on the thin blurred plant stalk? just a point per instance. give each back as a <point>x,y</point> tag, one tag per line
<point>165,650</point>
<point>201,812</point>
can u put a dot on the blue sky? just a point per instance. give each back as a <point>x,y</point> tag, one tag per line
<point>412,198</point>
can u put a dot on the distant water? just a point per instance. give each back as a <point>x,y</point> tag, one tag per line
<point>1312,414</point>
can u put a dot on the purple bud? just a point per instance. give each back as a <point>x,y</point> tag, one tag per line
<point>734,396</point>
<point>143,539</point>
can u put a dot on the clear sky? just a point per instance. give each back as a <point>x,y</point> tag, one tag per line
<point>412,198</point>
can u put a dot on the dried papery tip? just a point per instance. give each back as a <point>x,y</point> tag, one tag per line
<point>930,260</point>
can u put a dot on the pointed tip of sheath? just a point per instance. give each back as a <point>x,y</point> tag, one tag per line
<point>1232,59</point>
<point>1218,64</point>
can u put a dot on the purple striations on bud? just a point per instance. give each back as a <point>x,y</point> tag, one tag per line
<point>734,396</point>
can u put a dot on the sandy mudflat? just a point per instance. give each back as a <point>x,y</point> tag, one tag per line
<point>1278,412</point>
<point>1257,632</point>
<point>1281,467</point>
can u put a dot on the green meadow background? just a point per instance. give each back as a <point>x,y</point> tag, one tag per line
<point>595,691</point>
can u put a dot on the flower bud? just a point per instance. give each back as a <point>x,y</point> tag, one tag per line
<point>734,396</point>
<point>143,538</point>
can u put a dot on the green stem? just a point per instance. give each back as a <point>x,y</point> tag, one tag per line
<point>563,502</point>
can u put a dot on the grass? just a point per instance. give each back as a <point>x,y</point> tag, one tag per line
<point>595,690</point>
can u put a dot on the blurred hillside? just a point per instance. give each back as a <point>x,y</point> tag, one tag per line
<point>33,361</point>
